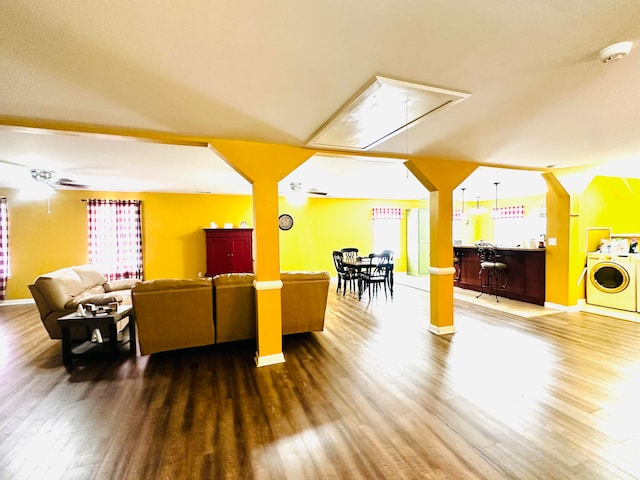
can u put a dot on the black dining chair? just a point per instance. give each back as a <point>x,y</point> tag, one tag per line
<point>350,253</point>
<point>389,253</point>
<point>377,274</point>
<point>344,275</point>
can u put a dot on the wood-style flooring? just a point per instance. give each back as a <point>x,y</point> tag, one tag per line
<point>374,396</point>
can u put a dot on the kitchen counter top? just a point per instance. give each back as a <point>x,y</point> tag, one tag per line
<point>504,248</point>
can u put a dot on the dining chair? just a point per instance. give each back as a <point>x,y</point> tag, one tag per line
<point>377,274</point>
<point>389,253</point>
<point>350,253</point>
<point>344,275</point>
<point>457,265</point>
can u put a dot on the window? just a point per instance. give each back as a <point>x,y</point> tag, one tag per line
<point>386,229</point>
<point>5,272</point>
<point>115,237</point>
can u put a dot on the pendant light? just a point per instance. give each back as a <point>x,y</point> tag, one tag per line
<point>495,209</point>
<point>463,189</point>
<point>478,210</point>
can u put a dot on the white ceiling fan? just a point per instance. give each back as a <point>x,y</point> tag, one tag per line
<point>297,187</point>
<point>47,177</point>
<point>296,194</point>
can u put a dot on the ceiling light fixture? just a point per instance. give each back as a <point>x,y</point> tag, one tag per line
<point>297,196</point>
<point>43,181</point>
<point>383,109</point>
<point>478,210</point>
<point>615,52</point>
<point>41,187</point>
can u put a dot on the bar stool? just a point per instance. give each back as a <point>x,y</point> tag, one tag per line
<point>457,265</point>
<point>493,274</point>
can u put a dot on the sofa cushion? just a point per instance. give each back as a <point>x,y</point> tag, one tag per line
<point>121,284</point>
<point>90,275</point>
<point>96,299</point>
<point>233,279</point>
<point>59,287</point>
<point>170,284</point>
<point>304,276</point>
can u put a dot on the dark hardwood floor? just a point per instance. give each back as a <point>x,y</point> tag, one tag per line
<point>374,396</point>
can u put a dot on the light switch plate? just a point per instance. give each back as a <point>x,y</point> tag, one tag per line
<point>553,241</point>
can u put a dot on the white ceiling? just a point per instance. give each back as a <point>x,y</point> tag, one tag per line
<point>276,72</point>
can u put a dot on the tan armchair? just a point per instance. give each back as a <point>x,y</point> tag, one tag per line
<point>173,314</point>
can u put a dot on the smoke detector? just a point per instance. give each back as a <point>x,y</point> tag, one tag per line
<point>615,52</point>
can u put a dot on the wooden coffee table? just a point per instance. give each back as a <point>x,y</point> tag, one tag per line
<point>110,345</point>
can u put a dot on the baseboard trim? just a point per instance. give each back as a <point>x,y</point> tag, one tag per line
<point>21,301</point>
<point>442,330</point>
<point>265,360</point>
<point>563,308</point>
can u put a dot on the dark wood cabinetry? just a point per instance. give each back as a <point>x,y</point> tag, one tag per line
<point>229,250</point>
<point>526,271</point>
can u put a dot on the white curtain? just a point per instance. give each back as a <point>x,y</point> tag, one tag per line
<point>386,229</point>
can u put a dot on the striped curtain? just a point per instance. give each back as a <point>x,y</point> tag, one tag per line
<point>4,247</point>
<point>115,237</point>
<point>386,213</point>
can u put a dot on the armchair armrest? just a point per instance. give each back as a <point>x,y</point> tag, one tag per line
<point>122,284</point>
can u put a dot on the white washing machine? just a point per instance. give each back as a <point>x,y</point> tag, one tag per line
<point>612,281</point>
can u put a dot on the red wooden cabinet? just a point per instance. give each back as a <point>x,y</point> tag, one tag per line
<point>229,250</point>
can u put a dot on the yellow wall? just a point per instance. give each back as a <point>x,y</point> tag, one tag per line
<point>173,236</point>
<point>482,226</point>
<point>325,224</point>
<point>612,202</point>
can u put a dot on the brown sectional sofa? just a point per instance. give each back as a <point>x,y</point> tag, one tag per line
<point>60,292</point>
<point>174,314</point>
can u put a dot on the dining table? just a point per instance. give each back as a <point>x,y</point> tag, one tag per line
<point>367,263</point>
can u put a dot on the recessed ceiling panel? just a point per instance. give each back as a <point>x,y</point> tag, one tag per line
<point>383,109</point>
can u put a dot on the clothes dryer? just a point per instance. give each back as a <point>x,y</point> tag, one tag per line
<point>612,281</point>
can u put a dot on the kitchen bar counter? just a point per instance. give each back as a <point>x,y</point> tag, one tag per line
<point>526,270</point>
